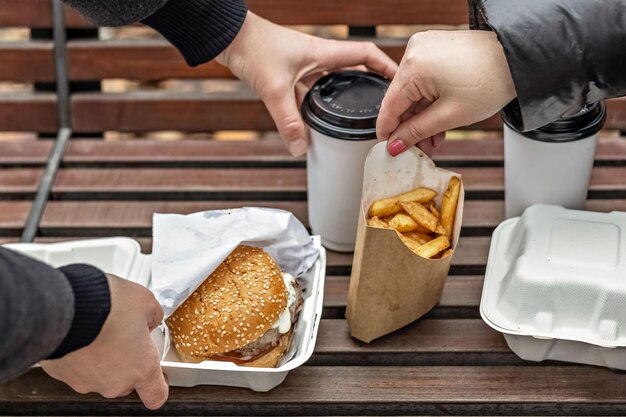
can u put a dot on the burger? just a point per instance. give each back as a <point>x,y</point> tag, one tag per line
<point>244,312</point>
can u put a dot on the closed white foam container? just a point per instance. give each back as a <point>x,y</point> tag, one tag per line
<point>555,285</point>
<point>122,257</point>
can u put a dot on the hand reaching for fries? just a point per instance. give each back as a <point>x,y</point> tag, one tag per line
<point>423,228</point>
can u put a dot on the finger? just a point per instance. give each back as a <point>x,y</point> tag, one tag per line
<point>286,114</point>
<point>154,391</point>
<point>155,317</point>
<point>301,92</point>
<point>341,54</point>
<point>426,145</point>
<point>439,139</point>
<point>310,79</point>
<point>434,119</point>
<point>395,104</point>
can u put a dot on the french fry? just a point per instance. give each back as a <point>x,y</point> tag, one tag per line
<point>422,216</point>
<point>433,209</point>
<point>448,205</point>
<point>376,222</point>
<point>419,237</point>
<point>403,223</point>
<point>390,206</point>
<point>432,248</point>
<point>446,253</point>
<point>411,243</point>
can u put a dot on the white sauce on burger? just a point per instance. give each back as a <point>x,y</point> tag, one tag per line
<point>283,324</point>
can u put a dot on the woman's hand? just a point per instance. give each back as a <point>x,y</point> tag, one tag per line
<point>281,65</point>
<point>447,79</point>
<point>123,357</point>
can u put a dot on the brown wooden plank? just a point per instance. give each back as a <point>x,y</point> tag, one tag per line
<point>155,152</point>
<point>233,108</point>
<point>364,13</point>
<point>326,12</point>
<point>13,216</point>
<point>136,217</point>
<point>180,180</point>
<point>271,149</point>
<point>369,389</point>
<point>217,180</point>
<point>137,59</point>
<point>459,291</point>
<point>461,336</point>
<point>19,181</point>
<point>149,59</point>
<point>30,112</point>
<point>26,61</point>
<point>26,152</point>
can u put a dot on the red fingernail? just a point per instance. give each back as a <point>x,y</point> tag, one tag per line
<point>397,147</point>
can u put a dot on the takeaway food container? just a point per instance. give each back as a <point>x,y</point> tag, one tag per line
<point>122,257</point>
<point>555,285</point>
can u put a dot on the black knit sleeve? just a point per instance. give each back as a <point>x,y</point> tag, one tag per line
<point>45,312</point>
<point>200,29</point>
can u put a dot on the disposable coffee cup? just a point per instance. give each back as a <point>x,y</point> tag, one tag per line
<point>552,164</point>
<point>341,110</point>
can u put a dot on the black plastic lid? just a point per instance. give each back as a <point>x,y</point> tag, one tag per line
<point>345,105</point>
<point>586,122</point>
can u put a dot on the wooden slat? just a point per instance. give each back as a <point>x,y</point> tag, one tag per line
<point>270,150</point>
<point>376,389</point>
<point>138,59</point>
<point>18,182</point>
<point>26,61</point>
<point>459,292</point>
<point>36,13</point>
<point>364,13</point>
<point>149,59</point>
<point>25,152</point>
<point>183,153</point>
<point>234,108</point>
<point>288,183</point>
<point>13,217</point>
<point>30,112</point>
<point>422,336</point>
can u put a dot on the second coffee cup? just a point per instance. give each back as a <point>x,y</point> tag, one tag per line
<point>341,110</point>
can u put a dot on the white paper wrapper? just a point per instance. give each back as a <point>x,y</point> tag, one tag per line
<point>188,248</point>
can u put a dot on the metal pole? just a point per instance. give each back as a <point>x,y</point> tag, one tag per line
<point>64,120</point>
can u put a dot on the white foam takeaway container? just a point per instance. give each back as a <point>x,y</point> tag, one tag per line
<point>122,257</point>
<point>555,285</point>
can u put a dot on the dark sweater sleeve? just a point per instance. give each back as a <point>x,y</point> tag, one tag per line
<point>46,312</point>
<point>200,29</point>
<point>562,54</point>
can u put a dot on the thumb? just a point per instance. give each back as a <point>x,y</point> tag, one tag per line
<point>438,117</point>
<point>153,389</point>
<point>286,114</point>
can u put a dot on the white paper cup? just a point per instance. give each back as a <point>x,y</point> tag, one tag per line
<point>341,110</point>
<point>551,165</point>
<point>335,180</point>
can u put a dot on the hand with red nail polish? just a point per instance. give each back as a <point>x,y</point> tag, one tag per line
<point>447,79</point>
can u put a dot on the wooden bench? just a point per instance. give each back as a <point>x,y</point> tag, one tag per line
<point>450,362</point>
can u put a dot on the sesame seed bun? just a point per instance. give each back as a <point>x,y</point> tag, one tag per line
<point>234,306</point>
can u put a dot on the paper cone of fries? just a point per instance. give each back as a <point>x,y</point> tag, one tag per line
<point>403,256</point>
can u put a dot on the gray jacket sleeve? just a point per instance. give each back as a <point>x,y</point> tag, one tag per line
<point>46,312</point>
<point>562,54</point>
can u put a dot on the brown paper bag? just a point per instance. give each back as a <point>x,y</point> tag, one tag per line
<point>391,286</point>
